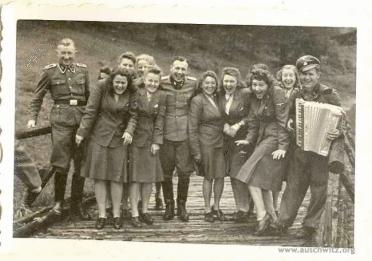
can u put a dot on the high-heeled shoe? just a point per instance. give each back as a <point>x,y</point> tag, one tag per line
<point>263,225</point>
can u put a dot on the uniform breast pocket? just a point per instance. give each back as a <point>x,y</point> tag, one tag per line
<point>59,87</point>
<point>79,85</point>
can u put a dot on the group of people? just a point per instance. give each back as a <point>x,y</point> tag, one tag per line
<point>136,127</point>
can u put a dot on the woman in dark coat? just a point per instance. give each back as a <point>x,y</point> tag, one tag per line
<point>108,124</point>
<point>145,167</point>
<point>263,171</point>
<point>233,101</point>
<point>206,140</point>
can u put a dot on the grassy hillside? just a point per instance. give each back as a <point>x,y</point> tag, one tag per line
<point>206,47</point>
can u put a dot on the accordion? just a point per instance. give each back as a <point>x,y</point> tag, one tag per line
<point>313,121</point>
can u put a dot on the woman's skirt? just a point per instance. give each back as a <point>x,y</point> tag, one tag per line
<point>105,163</point>
<point>261,170</point>
<point>212,164</point>
<point>235,157</point>
<point>144,167</point>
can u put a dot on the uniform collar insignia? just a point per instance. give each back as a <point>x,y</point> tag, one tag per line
<point>177,84</point>
<point>64,68</point>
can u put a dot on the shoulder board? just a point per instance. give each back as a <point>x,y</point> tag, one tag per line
<point>163,78</point>
<point>52,65</point>
<point>81,65</point>
<point>191,78</point>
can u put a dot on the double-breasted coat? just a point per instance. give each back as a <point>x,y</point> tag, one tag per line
<point>104,122</point>
<point>144,166</point>
<point>266,132</point>
<point>235,156</point>
<point>206,135</point>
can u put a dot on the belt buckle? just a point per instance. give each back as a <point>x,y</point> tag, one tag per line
<point>74,102</point>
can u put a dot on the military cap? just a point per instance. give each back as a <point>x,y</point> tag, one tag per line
<point>307,62</point>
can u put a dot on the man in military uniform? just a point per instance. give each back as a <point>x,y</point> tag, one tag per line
<point>68,83</point>
<point>175,152</point>
<point>308,169</point>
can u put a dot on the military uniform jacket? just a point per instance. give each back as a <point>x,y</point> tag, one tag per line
<point>106,120</point>
<point>63,83</point>
<point>150,121</point>
<point>177,107</point>
<point>268,119</point>
<point>205,124</point>
<point>238,111</point>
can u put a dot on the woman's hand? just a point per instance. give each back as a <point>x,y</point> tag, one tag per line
<point>234,129</point>
<point>278,154</point>
<point>241,142</point>
<point>331,135</point>
<point>31,124</point>
<point>127,138</point>
<point>78,139</point>
<point>155,148</point>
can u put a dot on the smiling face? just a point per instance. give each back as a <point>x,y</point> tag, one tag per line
<point>179,70</point>
<point>120,84</point>
<point>209,85</point>
<point>288,78</point>
<point>152,82</point>
<point>66,54</point>
<point>309,79</point>
<point>229,83</point>
<point>126,63</point>
<point>259,88</point>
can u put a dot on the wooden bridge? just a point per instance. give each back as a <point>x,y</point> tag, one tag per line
<point>336,228</point>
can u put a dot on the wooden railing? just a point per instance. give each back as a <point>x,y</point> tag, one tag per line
<point>337,225</point>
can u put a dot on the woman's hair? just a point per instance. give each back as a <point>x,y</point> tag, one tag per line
<point>289,67</point>
<point>127,55</point>
<point>261,75</point>
<point>203,76</point>
<point>122,72</point>
<point>155,70</point>
<point>234,72</point>
<point>148,58</point>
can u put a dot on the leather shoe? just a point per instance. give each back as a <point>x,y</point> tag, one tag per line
<point>135,222</point>
<point>241,217</point>
<point>219,214</point>
<point>209,217</point>
<point>158,204</point>
<point>117,223</point>
<point>146,218</point>
<point>263,225</point>
<point>101,222</point>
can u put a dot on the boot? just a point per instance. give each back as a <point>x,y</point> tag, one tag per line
<point>77,212</point>
<point>182,191</point>
<point>181,210</point>
<point>169,210</point>
<point>168,198</point>
<point>60,180</point>
<point>158,201</point>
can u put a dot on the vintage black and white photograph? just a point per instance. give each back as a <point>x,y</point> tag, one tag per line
<point>185,133</point>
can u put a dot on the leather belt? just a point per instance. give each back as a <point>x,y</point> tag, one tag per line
<point>72,102</point>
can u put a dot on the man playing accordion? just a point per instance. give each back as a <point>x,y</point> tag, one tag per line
<point>308,169</point>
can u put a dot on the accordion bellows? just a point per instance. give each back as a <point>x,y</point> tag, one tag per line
<point>313,121</point>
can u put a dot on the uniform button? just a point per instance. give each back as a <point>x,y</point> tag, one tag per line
<point>70,87</point>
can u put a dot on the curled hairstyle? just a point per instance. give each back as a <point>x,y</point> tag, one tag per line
<point>234,72</point>
<point>127,55</point>
<point>145,57</point>
<point>297,83</point>
<point>261,75</point>
<point>122,72</point>
<point>203,76</point>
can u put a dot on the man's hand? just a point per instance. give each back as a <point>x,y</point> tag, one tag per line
<point>290,125</point>
<point>241,142</point>
<point>127,138</point>
<point>331,135</point>
<point>31,124</point>
<point>278,154</point>
<point>155,148</point>
<point>78,139</point>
